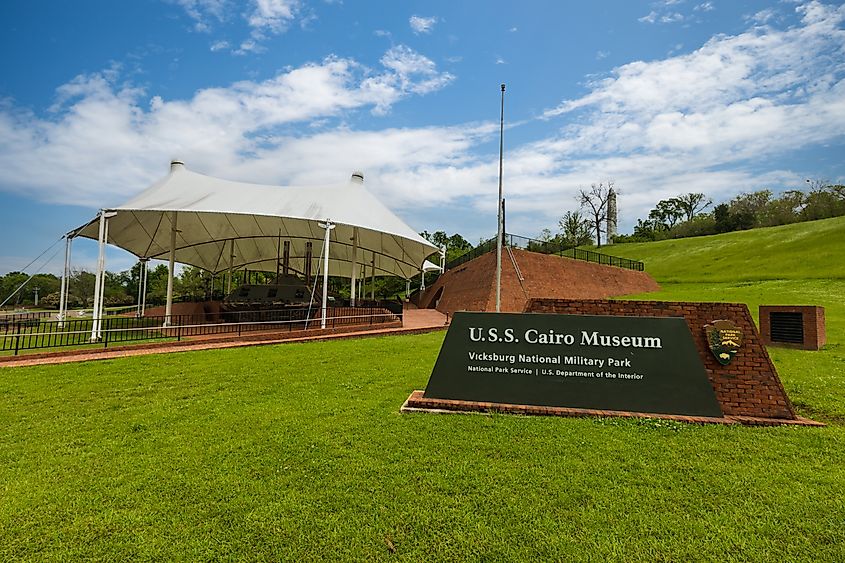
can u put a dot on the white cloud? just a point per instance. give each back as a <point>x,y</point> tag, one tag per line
<point>714,120</point>
<point>412,71</point>
<point>666,11</point>
<point>421,24</point>
<point>272,16</point>
<point>265,18</point>
<point>762,17</point>
<point>248,46</point>
<point>204,12</point>
<point>671,17</point>
<point>651,17</point>
<point>103,141</point>
<point>735,102</point>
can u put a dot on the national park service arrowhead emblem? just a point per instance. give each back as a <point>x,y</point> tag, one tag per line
<point>724,339</point>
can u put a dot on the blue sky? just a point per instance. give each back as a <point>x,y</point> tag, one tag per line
<point>660,97</point>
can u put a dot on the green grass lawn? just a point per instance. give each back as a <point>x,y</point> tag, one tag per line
<point>799,251</point>
<point>298,452</point>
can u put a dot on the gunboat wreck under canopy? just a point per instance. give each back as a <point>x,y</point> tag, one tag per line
<point>221,224</point>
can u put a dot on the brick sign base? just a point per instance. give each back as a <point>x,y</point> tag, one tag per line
<point>748,389</point>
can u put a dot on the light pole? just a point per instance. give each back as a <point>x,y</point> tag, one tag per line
<point>499,233</point>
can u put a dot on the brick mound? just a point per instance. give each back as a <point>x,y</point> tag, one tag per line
<point>472,286</point>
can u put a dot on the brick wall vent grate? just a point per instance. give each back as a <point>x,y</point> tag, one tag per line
<point>787,327</point>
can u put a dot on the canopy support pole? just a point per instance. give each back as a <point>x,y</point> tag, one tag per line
<point>64,289</point>
<point>98,277</point>
<point>354,265</point>
<point>142,286</point>
<point>146,272</point>
<point>103,284</point>
<point>231,263</point>
<point>309,258</point>
<point>278,257</point>
<point>168,309</point>
<point>407,288</point>
<point>328,225</point>
<point>373,279</point>
<point>422,280</point>
<point>138,300</point>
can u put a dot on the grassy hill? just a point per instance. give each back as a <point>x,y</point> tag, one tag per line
<point>809,250</point>
<point>298,452</point>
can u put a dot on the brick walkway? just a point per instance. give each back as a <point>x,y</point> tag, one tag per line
<point>415,321</point>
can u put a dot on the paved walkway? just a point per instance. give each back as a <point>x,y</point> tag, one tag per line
<point>415,321</point>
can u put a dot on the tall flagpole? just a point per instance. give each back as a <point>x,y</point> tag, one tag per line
<point>499,233</point>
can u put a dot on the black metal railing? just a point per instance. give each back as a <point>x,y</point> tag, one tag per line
<point>560,249</point>
<point>27,335</point>
<point>544,247</point>
<point>482,248</point>
<point>11,316</point>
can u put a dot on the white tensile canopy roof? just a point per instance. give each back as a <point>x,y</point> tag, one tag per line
<point>216,219</point>
<point>430,267</point>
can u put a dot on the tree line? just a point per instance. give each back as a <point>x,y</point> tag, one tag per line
<point>693,214</point>
<point>121,288</point>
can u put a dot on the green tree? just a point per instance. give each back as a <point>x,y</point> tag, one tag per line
<point>81,286</point>
<point>594,201</point>
<point>691,204</point>
<point>46,284</point>
<point>157,285</point>
<point>575,230</point>
<point>666,214</point>
<point>784,209</point>
<point>748,209</point>
<point>646,229</point>
<point>838,190</point>
<point>456,245</point>
<point>193,283</point>
<point>9,284</point>
<point>115,292</point>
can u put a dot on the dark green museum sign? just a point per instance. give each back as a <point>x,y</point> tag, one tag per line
<point>638,364</point>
